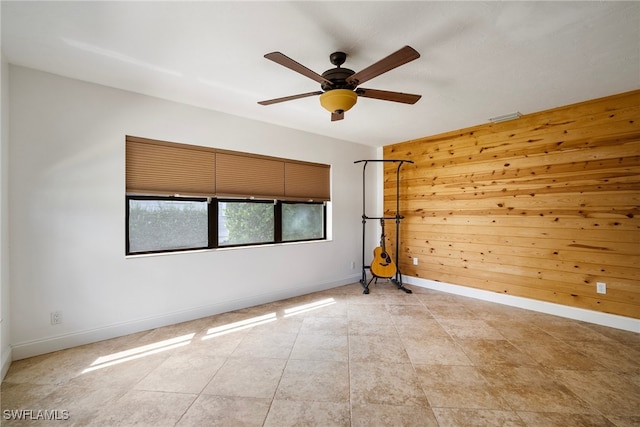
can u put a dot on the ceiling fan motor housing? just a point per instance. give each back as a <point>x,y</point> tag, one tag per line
<point>337,77</point>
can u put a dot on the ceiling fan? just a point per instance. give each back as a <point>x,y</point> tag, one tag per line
<point>339,85</point>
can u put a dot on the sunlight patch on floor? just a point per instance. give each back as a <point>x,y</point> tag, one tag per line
<point>238,326</point>
<point>309,307</point>
<point>139,352</point>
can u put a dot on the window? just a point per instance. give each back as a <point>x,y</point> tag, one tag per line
<point>162,224</point>
<point>245,222</point>
<point>158,224</point>
<point>181,197</point>
<point>302,221</point>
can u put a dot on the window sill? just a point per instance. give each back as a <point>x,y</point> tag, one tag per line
<point>225,249</point>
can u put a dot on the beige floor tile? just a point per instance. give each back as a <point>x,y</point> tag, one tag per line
<point>625,421</point>
<point>424,328</point>
<point>385,383</point>
<point>272,345</point>
<point>450,311</point>
<point>458,417</point>
<point>515,330</point>
<point>210,410</point>
<point>282,324</point>
<point>557,354</point>
<point>321,347</point>
<point>182,374</point>
<point>144,408</point>
<point>532,389</point>
<point>611,393</point>
<point>53,368</point>
<point>342,358</point>
<point>377,348</point>
<point>367,415</point>
<point>546,419</point>
<point>435,350</point>
<point>613,356</point>
<point>289,413</point>
<point>124,372</point>
<point>459,387</point>
<point>487,352</point>
<point>408,312</point>
<point>470,329</point>
<point>315,380</point>
<point>363,327</point>
<point>324,325</point>
<point>24,395</point>
<point>247,377</point>
<point>212,345</point>
<point>82,403</point>
<point>570,330</point>
<point>369,313</point>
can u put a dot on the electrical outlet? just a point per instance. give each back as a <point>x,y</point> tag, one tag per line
<point>56,317</point>
<point>415,261</point>
<point>601,287</point>
<point>353,265</point>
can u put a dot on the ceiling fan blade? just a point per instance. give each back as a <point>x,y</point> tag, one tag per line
<point>289,98</point>
<point>396,59</point>
<point>285,61</point>
<point>337,116</point>
<point>385,95</point>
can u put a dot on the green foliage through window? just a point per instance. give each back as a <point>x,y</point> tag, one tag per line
<point>167,224</point>
<point>246,222</point>
<point>164,224</point>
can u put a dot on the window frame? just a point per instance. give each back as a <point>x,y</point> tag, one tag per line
<point>129,197</point>
<point>212,223</point>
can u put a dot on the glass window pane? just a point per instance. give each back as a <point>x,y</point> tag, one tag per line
<point>161,225</point>
<point>241,223</point>
<point>302,221</point>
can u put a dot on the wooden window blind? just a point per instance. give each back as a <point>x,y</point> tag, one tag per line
<point>160,167</point>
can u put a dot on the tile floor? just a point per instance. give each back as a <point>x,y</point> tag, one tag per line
<point>341,358</point>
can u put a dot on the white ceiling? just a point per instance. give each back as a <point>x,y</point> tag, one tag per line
<point>478,59</point>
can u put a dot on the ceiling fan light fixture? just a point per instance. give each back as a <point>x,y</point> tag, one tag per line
<point>338,100</point>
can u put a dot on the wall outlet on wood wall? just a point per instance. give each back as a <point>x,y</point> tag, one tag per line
<point>601,287</point>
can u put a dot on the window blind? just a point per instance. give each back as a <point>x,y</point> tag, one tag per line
<point>157,167</point>
<point>160,167</point>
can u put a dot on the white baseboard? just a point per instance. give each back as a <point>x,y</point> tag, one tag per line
<point>32,348</point>
<point>596,317</point>
<point>6,360</point>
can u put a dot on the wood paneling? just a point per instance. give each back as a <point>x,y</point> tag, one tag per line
<point>541,207</point>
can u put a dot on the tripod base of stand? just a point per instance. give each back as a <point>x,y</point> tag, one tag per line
<point>396,282</point>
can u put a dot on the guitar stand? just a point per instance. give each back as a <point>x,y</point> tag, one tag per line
<point>397,279</point>
<point>396,282</point>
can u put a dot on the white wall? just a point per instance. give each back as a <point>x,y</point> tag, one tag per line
<point>67,208</point>
<point>5,337</point>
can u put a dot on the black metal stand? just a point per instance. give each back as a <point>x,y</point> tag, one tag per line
<point>397,280</point>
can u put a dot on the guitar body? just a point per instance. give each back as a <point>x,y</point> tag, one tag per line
<point>382,264</point>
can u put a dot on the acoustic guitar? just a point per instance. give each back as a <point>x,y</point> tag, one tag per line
<point>382,264</point>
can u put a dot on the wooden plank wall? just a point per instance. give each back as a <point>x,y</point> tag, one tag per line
<point>541,207</point>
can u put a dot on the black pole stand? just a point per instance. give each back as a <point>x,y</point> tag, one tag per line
<point>397,280</point>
